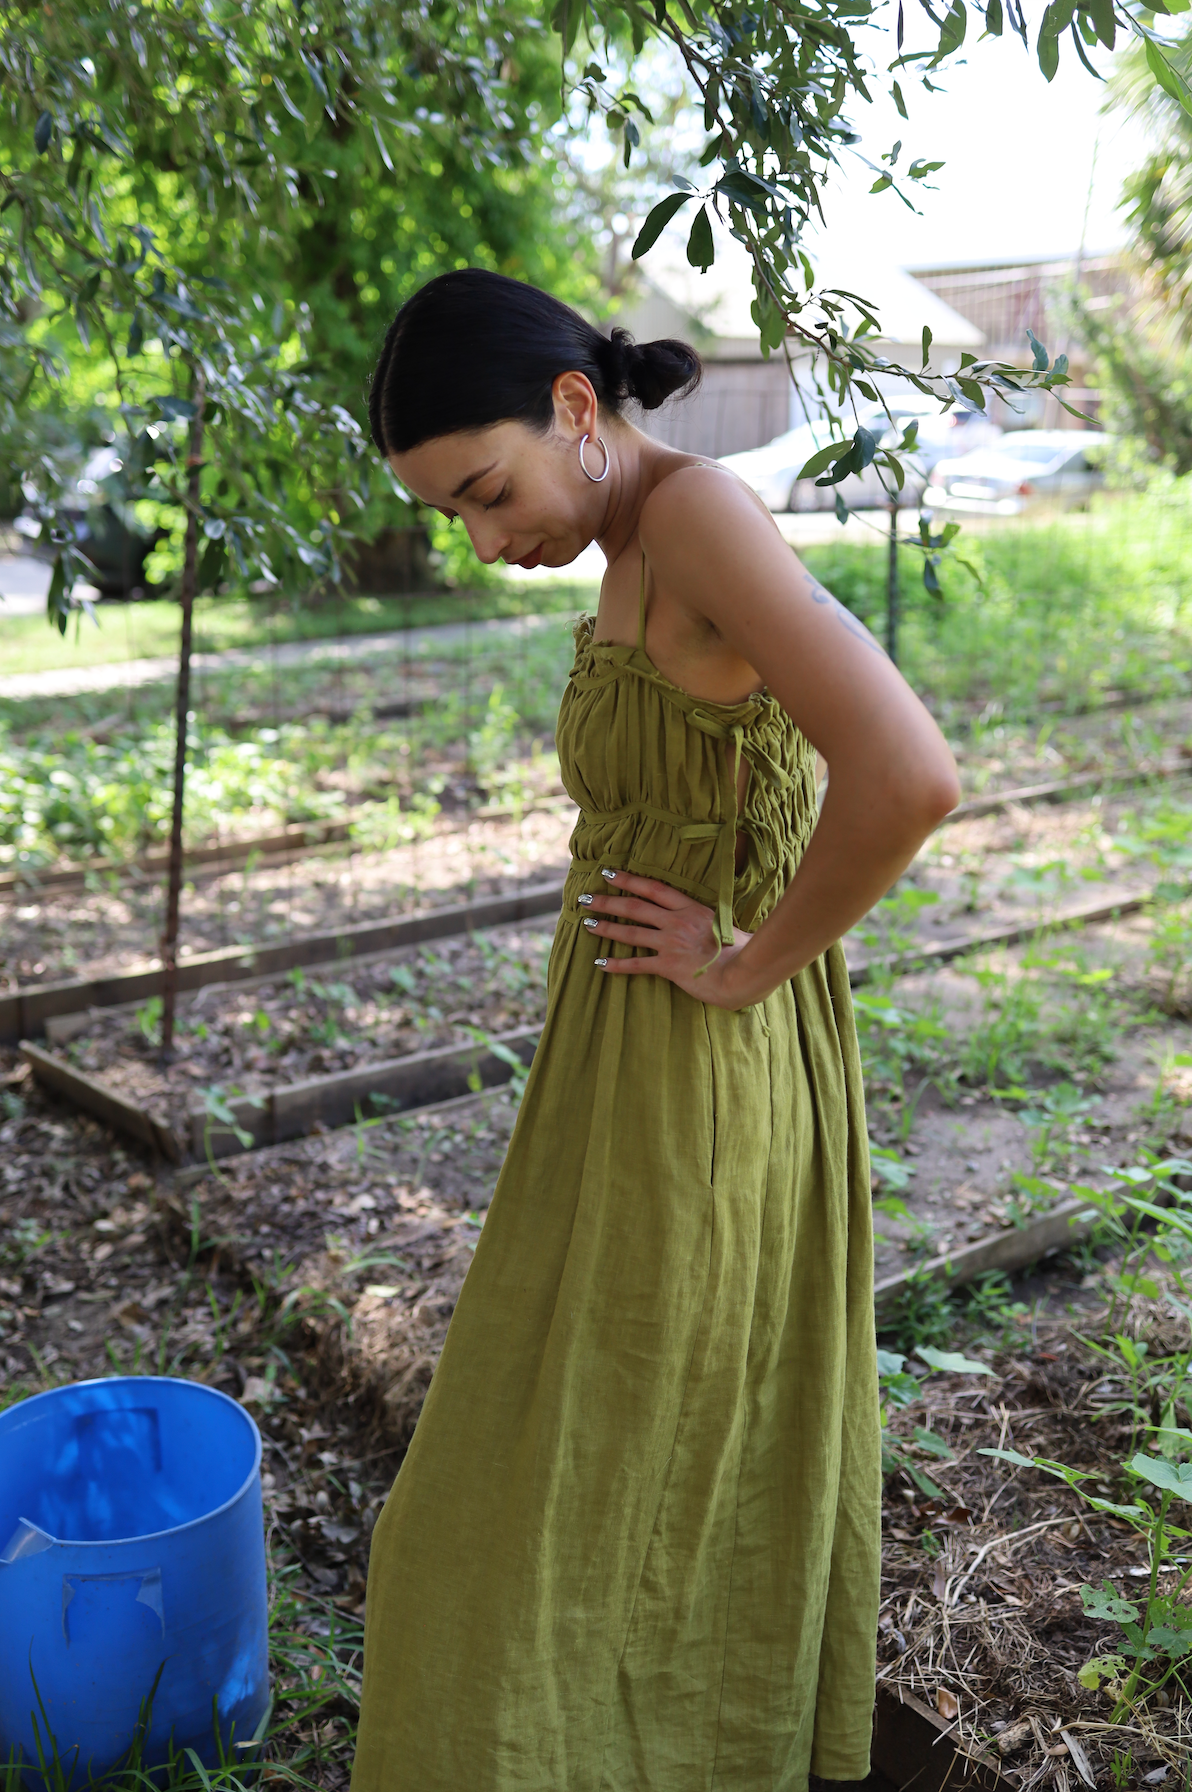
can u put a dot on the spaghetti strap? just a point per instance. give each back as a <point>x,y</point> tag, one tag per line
<point>641,607</point>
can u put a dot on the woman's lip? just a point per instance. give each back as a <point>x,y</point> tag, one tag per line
<point>531,560</point>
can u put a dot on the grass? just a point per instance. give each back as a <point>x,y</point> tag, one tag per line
<point>314,1660</point>
<point>1067,607</point>
<point>150,629</point>
<point>1071,606</point>
<point>75,784</point>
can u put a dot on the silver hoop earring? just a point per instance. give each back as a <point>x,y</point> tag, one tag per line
<point>596,478</point>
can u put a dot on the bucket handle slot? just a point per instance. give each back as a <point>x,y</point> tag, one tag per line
<point>148,1592</point>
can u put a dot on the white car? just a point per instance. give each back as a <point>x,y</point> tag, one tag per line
<point>1027,467</point>
<point>773,471</point>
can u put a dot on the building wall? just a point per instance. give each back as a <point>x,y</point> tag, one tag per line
<point>738,405</point>
<point>1006,300</point>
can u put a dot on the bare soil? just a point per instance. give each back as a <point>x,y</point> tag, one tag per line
<point>981,1613</point>
<point>56,934</point>
<point>316,1022</point>
<point>315,1281</point>
<point>248,1282</point>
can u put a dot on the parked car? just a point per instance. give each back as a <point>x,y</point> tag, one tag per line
<point>104,529</point>
<point>773,471</point>
<point>1027,467</point>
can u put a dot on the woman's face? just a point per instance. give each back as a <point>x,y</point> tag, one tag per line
<point>520,494</point>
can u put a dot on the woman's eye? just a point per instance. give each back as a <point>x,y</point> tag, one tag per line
<point>499,499</point>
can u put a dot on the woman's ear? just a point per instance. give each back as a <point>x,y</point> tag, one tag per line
<point>577,407</point>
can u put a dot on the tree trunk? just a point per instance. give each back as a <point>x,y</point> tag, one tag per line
<point>169,938</point>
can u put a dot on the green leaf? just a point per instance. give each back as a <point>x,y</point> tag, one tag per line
<point>1169,1477</point>
<point>889,1362</point>
<point>864,449</point>
<point>1168,78</point>
<point>1101,1667</point>
<point>1010,1456</point>
<point>211,566</point>
<point>43,130</point>
<point>824,457</point>
<point>1115,1510</point>
<point>173,408</point>
<point>932,1443</point>
<point>656,222</point>
<point>701,251</point>
<point>632,139</point>
<point>993,17</point>
<point>57,599</point>
<point>746,189</point>
<point>1105,1602</point>
<point>1039,352</point>
<point>924,1482</point>
<point>926,344</point>
<point>566,19</point>
<point>953,30</point>
<point>951,1360</point>
<point>896,90</point>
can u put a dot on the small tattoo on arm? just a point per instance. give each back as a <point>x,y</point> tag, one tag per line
<point>820,595</point>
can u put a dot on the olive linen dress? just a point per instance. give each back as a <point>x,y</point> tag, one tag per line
<point>634,1545</point>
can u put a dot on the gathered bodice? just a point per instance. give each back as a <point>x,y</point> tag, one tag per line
<point>654,772</point>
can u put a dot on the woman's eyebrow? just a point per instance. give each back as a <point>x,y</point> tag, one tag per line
<point>472,478</point>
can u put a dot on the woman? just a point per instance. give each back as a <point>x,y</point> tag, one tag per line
<point>634,1545</point>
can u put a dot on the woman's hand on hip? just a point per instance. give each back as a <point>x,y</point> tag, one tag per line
<point>640,911</point>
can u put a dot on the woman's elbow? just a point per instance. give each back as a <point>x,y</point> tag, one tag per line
<point>921,799</point>
<point>939,794</point>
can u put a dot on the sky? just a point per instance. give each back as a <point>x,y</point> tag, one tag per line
<point>1023,160</point>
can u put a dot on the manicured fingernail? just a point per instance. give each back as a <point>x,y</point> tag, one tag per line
<point>609,874</point>
<point>600,961</point>
<point>590,921</point>
<point>585,899</point>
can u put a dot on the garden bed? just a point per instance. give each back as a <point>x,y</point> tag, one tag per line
<point>983,1615</point>
<point>314,1281</point>
<point>250,1041</point>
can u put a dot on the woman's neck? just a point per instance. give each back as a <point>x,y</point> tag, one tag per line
<point>638,463</point>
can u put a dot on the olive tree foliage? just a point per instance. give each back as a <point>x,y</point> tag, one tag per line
<point>779,84</point>
<point>1158,197</point>
<point>153,159</point>
<point>1142,341</point>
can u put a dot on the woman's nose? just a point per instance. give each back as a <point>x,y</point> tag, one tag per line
<point>488,543</point>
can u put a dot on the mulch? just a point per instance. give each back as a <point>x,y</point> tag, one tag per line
<point>981,1614</point>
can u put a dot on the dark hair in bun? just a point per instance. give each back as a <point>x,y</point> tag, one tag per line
<point>472,348</point>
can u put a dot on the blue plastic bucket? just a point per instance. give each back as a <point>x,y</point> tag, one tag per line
<point>131,1540</point>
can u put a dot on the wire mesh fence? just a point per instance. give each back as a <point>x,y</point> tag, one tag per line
<point>366,756</point>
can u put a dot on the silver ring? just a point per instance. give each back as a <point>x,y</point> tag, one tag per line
<point>596,478</point>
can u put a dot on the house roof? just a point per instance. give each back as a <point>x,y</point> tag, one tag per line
<point>674,298</point>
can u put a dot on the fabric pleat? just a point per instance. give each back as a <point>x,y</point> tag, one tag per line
<point>634,1545</point>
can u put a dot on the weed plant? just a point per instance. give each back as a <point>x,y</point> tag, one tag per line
<point>1066,607</point>
<point>899,1386</point>
<point>1045,1013</point>
<point>1145,1215</point>
<point>64,792</point>
<point>315,1661</point>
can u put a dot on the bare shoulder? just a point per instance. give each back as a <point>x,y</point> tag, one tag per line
<point>695,504</point>
<point>699,527</point>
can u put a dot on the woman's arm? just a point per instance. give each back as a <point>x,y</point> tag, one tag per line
<point>892,777</point>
